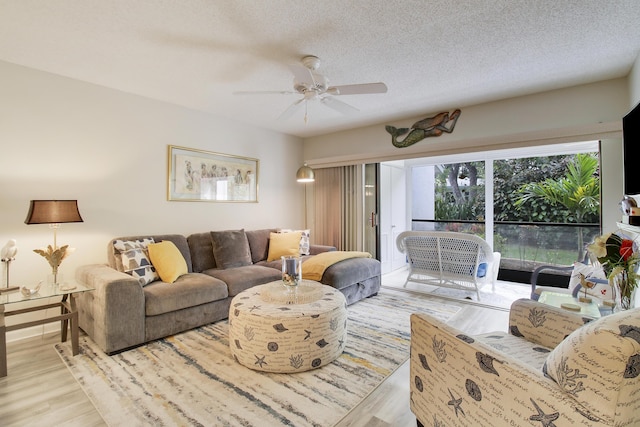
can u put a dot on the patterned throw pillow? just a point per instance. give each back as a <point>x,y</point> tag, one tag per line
<point>598,365</point>
<point>601,290</point>
<point>135,259</point>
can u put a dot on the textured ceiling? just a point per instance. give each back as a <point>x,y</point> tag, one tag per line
<point>433,55</point>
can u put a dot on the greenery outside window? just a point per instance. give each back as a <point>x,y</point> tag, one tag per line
<point>544,209</point>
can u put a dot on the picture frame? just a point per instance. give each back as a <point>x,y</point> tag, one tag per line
<point>206,176</point>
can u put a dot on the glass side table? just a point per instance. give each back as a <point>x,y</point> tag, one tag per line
<point>68,313</point>
<point>570,303</point>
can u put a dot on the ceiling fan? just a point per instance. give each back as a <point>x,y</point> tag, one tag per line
<point>314,86</point>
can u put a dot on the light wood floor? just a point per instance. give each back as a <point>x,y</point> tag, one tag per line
<point>40,391</point>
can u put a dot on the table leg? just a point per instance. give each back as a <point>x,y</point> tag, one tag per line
<point>75,347</point>
<point>3,344</point>
<point>65,322</point>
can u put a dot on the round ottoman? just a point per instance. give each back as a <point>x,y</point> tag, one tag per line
<point>271,331</point>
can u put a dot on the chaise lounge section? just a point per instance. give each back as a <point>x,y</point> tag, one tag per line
<point>126,310</point>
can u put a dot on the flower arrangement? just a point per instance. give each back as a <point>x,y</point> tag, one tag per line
<point>55,257</point>
<point>620,260</point>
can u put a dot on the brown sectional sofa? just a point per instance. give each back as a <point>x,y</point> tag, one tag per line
<point>121,313</point>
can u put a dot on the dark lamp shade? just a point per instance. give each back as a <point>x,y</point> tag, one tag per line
<point>305,174</point>
<point>53,212</point>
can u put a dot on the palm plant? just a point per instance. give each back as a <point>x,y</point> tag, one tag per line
<point>578,191</point>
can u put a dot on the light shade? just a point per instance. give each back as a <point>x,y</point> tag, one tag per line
<point>305,174</point>
<point>53,212</point>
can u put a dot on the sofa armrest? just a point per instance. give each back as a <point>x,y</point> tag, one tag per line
<point>543,324</point>
<point>113,314</point>
<point>318,249</point>
<point>457,380</point>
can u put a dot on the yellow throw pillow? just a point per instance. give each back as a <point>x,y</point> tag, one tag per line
<point>167,260</point>
<point>281,244</point>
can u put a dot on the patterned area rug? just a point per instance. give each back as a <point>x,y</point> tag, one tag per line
<point>192,379</point>
<point>500,296</point>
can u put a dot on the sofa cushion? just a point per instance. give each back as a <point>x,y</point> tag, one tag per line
<point>201,249</point>
<point>189,290</point>
<point>599,363</point>
<point>259,243</point>
<point>230,248</point>
<point>240,278</point>
<point>350,271</point>
<point>283,244</point>
<point>167,260</point>
<point>136,263</point>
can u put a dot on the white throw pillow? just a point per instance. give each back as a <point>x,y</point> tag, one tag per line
<point>601,290</point>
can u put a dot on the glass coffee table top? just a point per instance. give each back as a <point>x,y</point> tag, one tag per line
<point>32,292</point>
<point>569,303</point>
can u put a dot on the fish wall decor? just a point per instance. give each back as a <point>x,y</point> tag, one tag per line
<point>431,126</point>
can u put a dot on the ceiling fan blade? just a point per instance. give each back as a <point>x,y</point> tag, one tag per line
<point>291,109</point>
<point>358,89</point>
<point>302,74</point>
<point>337,105</point>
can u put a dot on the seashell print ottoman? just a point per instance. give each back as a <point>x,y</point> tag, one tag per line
<point>271,331</point>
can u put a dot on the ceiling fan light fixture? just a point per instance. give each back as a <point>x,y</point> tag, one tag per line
<point>313,85</point>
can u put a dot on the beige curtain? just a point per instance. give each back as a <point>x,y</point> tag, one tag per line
<point>338,206</point>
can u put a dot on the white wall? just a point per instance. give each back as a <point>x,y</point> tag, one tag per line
<point>579,113</point>
<point>534,119</point>
<point>64,139</point>
<point>634,84</point>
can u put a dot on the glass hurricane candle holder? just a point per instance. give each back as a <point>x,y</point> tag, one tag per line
<point>291,271</point>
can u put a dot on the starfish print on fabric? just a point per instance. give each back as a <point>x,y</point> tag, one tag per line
<point>255,307</point>
<point>260,360</point>
<point>546,419</point>
<point>456,403</point>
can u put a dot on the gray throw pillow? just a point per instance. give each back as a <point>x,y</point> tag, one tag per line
<point>231,248</point>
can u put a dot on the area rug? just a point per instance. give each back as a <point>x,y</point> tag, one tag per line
<point>501,296</point>
<point>192,379</point>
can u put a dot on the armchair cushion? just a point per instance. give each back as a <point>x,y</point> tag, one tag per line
<point>493,379</point>
<point>598,365</point>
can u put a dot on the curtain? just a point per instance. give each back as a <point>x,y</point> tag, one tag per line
<point>338,207</point>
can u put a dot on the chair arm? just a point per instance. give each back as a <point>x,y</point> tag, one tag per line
<point>541,323</point>
<point>113,314</point>
<point>458,381</point>
<point>536,273</point>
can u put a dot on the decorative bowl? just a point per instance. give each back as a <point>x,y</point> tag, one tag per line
<point>27,292</point>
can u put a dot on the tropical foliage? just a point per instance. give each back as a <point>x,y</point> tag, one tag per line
<point>578,192</point>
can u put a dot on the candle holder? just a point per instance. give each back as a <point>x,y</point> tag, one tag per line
<point>291,271</point>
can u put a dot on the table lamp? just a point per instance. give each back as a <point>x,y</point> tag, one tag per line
<point>54,213</point>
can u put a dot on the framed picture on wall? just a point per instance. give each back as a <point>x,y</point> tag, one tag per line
<point>197,175</point>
